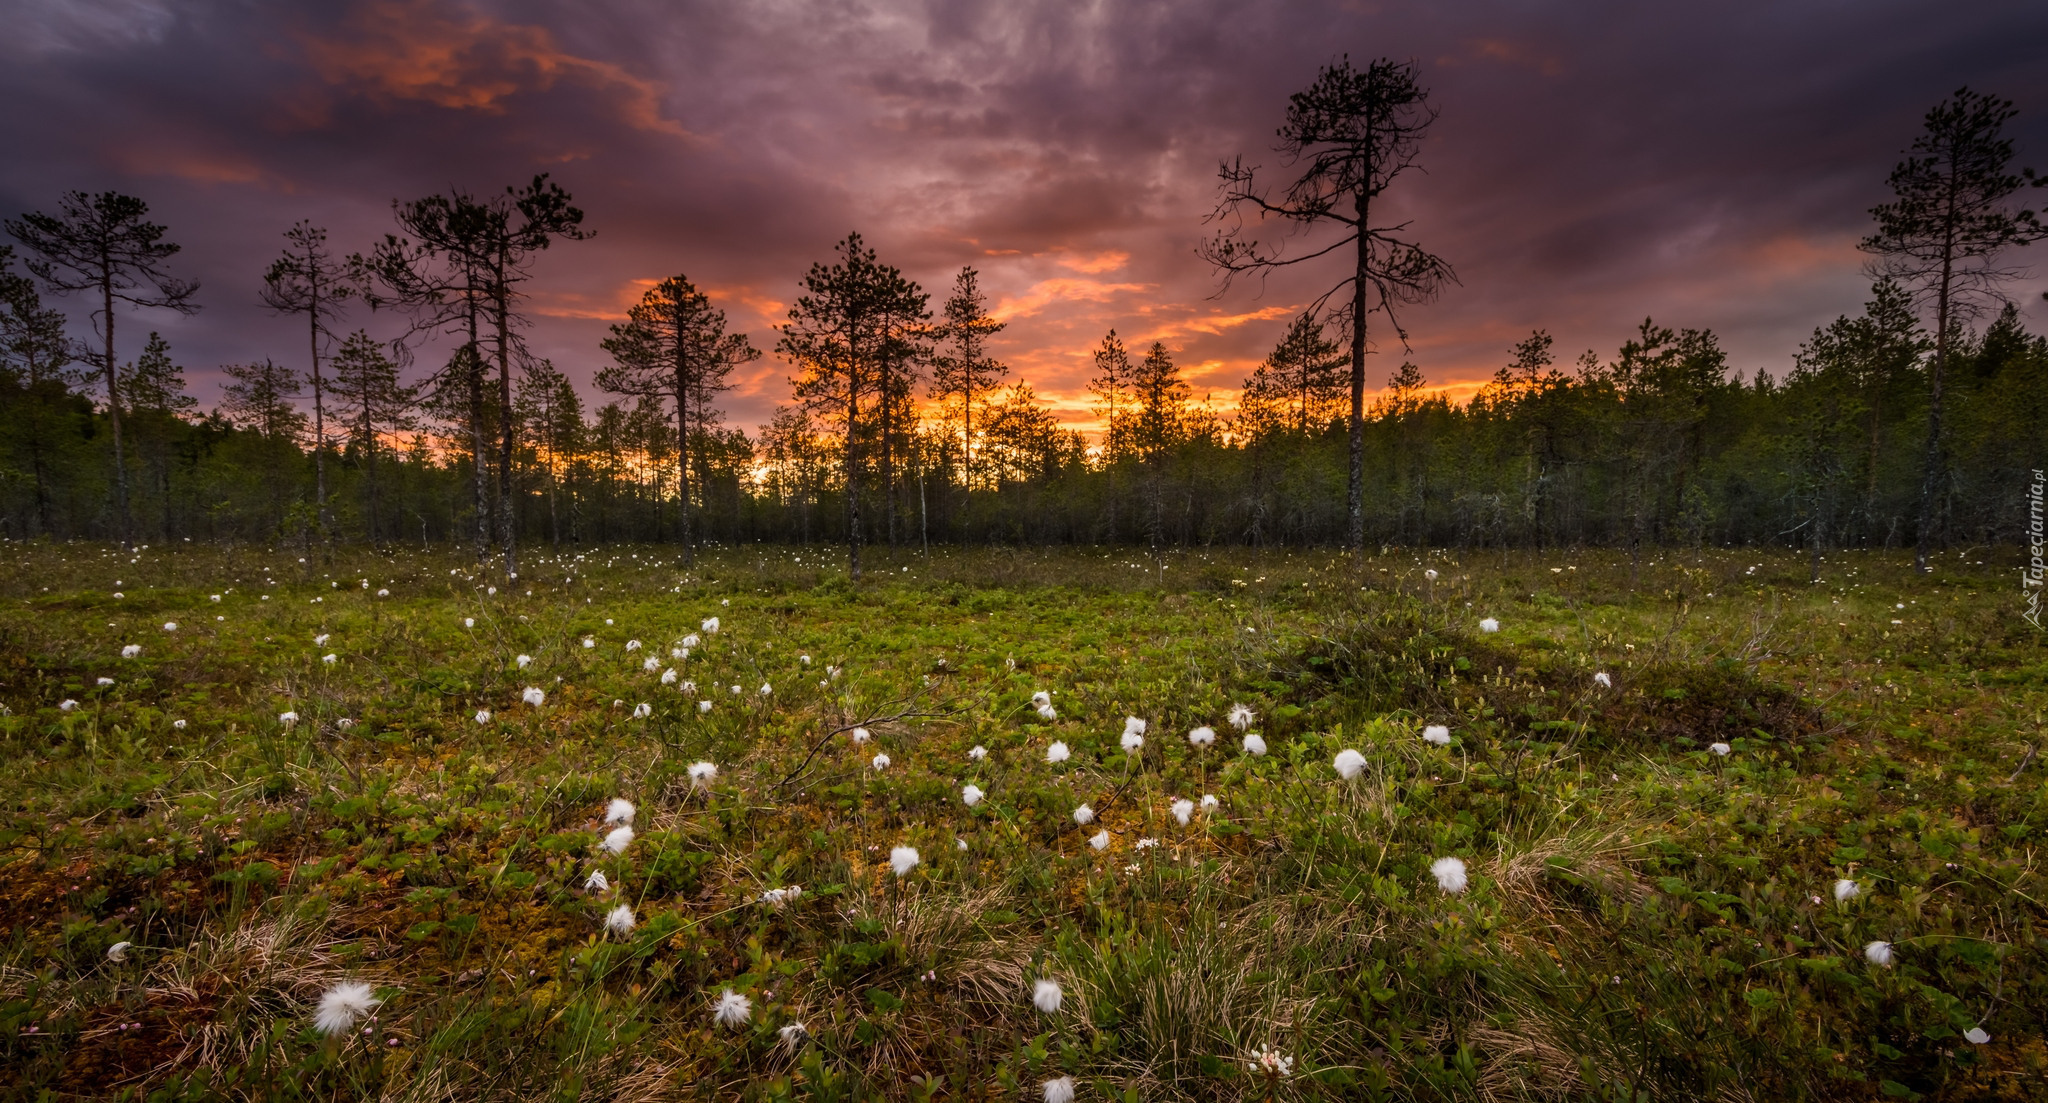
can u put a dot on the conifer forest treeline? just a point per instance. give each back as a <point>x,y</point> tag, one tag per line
<point>1917,421</point>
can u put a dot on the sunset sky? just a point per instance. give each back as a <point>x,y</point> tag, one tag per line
<point>1708,165</point>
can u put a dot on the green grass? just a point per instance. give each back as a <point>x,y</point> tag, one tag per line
<point>1645,920</point>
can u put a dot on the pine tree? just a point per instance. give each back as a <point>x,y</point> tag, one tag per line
<point>374,404</point>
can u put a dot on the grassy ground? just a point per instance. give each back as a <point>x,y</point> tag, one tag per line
<point>1645,918</point>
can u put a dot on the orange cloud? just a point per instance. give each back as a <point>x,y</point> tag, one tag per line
<point>186,164</point>
<point>1108,261</point>
<point>422,50</point>
<point>612,308</point>
<point>1215,324</point>
<point>1060,289</point>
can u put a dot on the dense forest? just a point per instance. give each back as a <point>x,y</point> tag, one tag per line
<point>1917,421</point>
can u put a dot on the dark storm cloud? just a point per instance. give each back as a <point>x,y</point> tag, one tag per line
<point>1707,165</point>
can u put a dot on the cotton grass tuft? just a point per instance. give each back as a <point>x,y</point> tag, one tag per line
<point>535,696</point>
<point>1254,744</point>
<point>620,810</point>
<point>1202,736</point>
<point>1183,810</point>
<point>1046,995</point>
<point>1489,625</point>
<point>880,761</point>
<point>971,795</point>
<point>1879,953</point>
<point>1059,1090</point>
<point>1099,840</point>
<point>1720,749</point>
<point>619,839</point>
<point>1450,874</point>
<point>1349,763</point>
<point>1437,734</point>
<point>118,952</point>
<point>1084,815</point>
<point>732,1009</point>
<point>702,773</point>
<point>131,651</point>
<point>903,859</point>
<point>1846,890</point>
<point>341,1005</point>
<point>1241,717</point>
<point>483,716</point>
<point>620,920</point>
<point>1055,754</point>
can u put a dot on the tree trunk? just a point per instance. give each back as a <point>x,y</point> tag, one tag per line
<point>508,523</point>
<point>1932,476</point>
<point>114,411</point>
<point>319,398</point>
<point>1354,499</point>
<point>683,445</point>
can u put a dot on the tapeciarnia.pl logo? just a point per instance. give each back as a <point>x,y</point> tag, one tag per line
<point>2038,545</point>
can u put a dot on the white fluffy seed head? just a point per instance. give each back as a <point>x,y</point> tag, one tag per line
<point>1241,717</point>
<point>1084,815</point>
<point>1046,995</point>
<point>650,664</point>
<point>1041,700</point>
<point>597,882</point>
<point>1047,712</point>
<point>620,920</point>
<point>860,735</point>
<point>1720,749</point>
<point>620,810</point>
<point>1489,625</point>
<point>881,761</point>
<point>1133,742</point>
<point>1202,736</point>
<point>341,1005</point>
<point>1057,753</point>
<point>1976,1036</point>
<point>118,952</point>
<point>668,677</point>
<point>1349,763</point>
<point>619,839</point>
<point>1430,574</point>
<point>702,774</point>
<point>978,753</point>
<point>1183,810</point>
<point>632,645</point>
<point>1449,874</point>
<point>1603,681</point>
<point>703,706</point>
<point>1878,953</point>
<point>483,716</point>
<point>710,626</point>
<point>1846,890</point>
<point>732,1010</point>
<point>1437,734</point>
<point>642,711</point>
<point>524,661</point>
<point>1059,1090</point>
<point>903,859</point>
<point>1133,726</point>
<point>1099,840</point>
<point>1209,802</point>
<point>971,794</point>
<point>1254,744</point>
<point>535,696</point>
<point>131,651</point>
<point>287,718</point>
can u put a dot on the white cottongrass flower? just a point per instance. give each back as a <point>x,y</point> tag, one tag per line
<point>668,677</point>
<point>131,651</point>
<point>534,696</point>
<point>1133,742</point>
<point>483,716</point>
<point>881,761</point>
<point>860,735</point>
<point>735,691</point>
<point>805,659</point>
<point>1057,753</point>
<point>959,842</point>
<point>689,689</point>
<point>690,641</point>
<point>620,810</point>
<point>597,882</point>
<point>118,952</point>
<point>632,645</point>
<point>178,724</point>
<point>1183,810</point>
<point>1721,749</point>
<point>702,773</point>
<point>170,626</point>
<point>620,920</point>
<point>978,753</point>
<point>66,705</point>
<point>619,839</point>
<point>1133,726</point>
<point>1603,681</point>
<point>1241,717</point>
<point>703,706</point>
<point>1254,743</point>
<point>678,652</point>
<point>216,597</point>
<point>380,593</point>
<point>1209,802</point>
<point>1349,763</point>
<point>903,859</point>
<point>320,640</point>
<point>329,658</point>
<point>776,898</point>
<point>651,665</point>
<point>1046,995</point>
<point>589,642</point>
<point>523,661</point>
<point>792,1035</point>
<point>642,711</point>
<point>710,626</point>
<point>106,681</point>
<point>1976,1036</point>
<point>1059,1090</point>
<point>1489,625</point>
<point>1430,574</point>
<point>1878,953</point>
<point>342,1005</point>
<point>1084,815</point>
<point>469,622</point>
<point>732,1010</point>
<point>971,794</point>
<point>1099,840</point>
<point>287,718</point>
<point>1041,700</point>
<point>1437,734</point>
<point>1846,890</point>
<point>766,690</point>
<point>1449,874</point>
<point>1202,736</point>
<point>1047,712</point>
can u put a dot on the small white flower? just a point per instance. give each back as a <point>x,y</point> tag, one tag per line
<point>1202,736</point>
<point>1449,873</point>
<point>971,794</point>
<point>1183,810</point>
<point>1057,753</point>
<point>978,753</point>
<point>678,653</point>
<point>668,678</point>
<point>703,706</point>
<point>620,810</point>
<point>1976,1036</point>
<point>523,661</point>
<point>287,718</point>
<point>903,859</point>
<point>589,642</point>
<point>67,704</point>
<point>534,696</point>
<point>632,645</point>
<point>619,839</point>
<point>106,681</point>
<point>702,773</point>
<point>1846,890</point>
<point>329,658</point>
<point>776,898</point>
<point>1489,625</point>
<point>607,622</point>
<point>483,716</point>
<point>735,691</point>
<point>1209,803</point>
<point>178,724</point>
<point>1603,681</point>
<point>710,626</point>
<point>651,665</point>
<point>1046,995</point>
<point>1430,574</point>
<point>131,651</point>
<point>881,761</point>
<point>620,920</point>
<point>1349,763</point>
<point>118,952</point>
<point>642,711</point>
<point>320,640</point>
<point>1084,815</point>
<point>1721,749</point>
<point>380,593</point>
<point>1878,953</point>
<point>342,1005</point>
<point>766,690</point>
<point>690,641</point>
<point>216,597</point>
<point>732,1010</point>
<point>597,882</point>
<point>469,622</point>
<point>1059,1090</point>
<point>859,736</point>
<point>1145,844</point>
<point>805,659</point>
<point>1437,734</point>
<point>491,591</point>
<point>1254,744</point>
<point>170,626</point>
